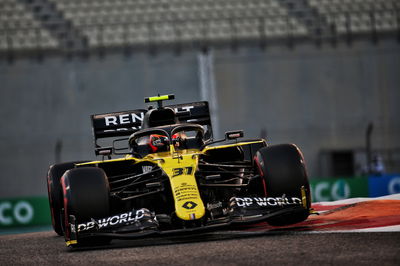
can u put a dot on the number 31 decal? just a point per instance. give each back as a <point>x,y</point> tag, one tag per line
<point>181,171</point>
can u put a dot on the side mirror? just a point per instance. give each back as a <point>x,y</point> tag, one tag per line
<point>234,134</point>
<point>107,151</point>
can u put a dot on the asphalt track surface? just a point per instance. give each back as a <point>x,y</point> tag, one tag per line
<point>218,248</point>
<point>350,232</point>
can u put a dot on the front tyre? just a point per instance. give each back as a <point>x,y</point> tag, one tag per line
<point>55,193</point>
<point>283,173</point>
<point>86,196</point>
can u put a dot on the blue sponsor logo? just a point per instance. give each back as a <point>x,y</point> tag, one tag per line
<point>384,185</point>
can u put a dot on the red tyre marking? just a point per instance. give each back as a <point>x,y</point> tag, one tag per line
<point>261,174</point>
<point>66,227</point>
<point>51,201</point>
<point>264,186</point>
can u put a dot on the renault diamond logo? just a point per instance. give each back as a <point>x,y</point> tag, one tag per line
<point>189,205</point>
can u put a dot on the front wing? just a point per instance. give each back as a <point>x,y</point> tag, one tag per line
<point>142,223</point>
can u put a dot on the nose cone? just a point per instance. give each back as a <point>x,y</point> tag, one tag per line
<point>181,170</point>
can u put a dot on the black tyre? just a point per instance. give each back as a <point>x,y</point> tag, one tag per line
<point>86,195</point>
<point>54,190</point>
<point>283,172</point>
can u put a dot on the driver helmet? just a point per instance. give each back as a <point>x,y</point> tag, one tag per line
<point>178,139</point>
<point>158,143</point>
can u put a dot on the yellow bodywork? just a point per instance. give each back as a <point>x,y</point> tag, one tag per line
<point>159,98</point>
<point>180,169</point>
<point>71,242</point>
<point>180,166</point>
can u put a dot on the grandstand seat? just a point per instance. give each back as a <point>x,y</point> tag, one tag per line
<point>121,22</point>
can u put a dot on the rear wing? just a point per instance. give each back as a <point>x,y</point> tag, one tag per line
<point>119,124</point>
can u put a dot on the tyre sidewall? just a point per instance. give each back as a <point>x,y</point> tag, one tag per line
<point>55,195</point>
<point>85,195</point>
<point>283,172</point>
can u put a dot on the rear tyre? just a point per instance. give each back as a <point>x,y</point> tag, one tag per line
<point>283,172</point>
<point>55,193</point>
<point>86,196</point>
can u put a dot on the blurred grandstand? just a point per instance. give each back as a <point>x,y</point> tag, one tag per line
<point>75,26</point>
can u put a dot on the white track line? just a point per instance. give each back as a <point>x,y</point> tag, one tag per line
<point>356,200</point>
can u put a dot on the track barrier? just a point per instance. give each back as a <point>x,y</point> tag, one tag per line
<point>331,189</point>
<point>35,211</point>
<point>27,211</point>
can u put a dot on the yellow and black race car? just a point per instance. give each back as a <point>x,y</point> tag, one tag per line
<point>171,176</point>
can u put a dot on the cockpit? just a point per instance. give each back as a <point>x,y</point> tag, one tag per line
<point>155,140</point>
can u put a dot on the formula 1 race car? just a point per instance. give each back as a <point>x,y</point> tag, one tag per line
<point>172,177</point>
